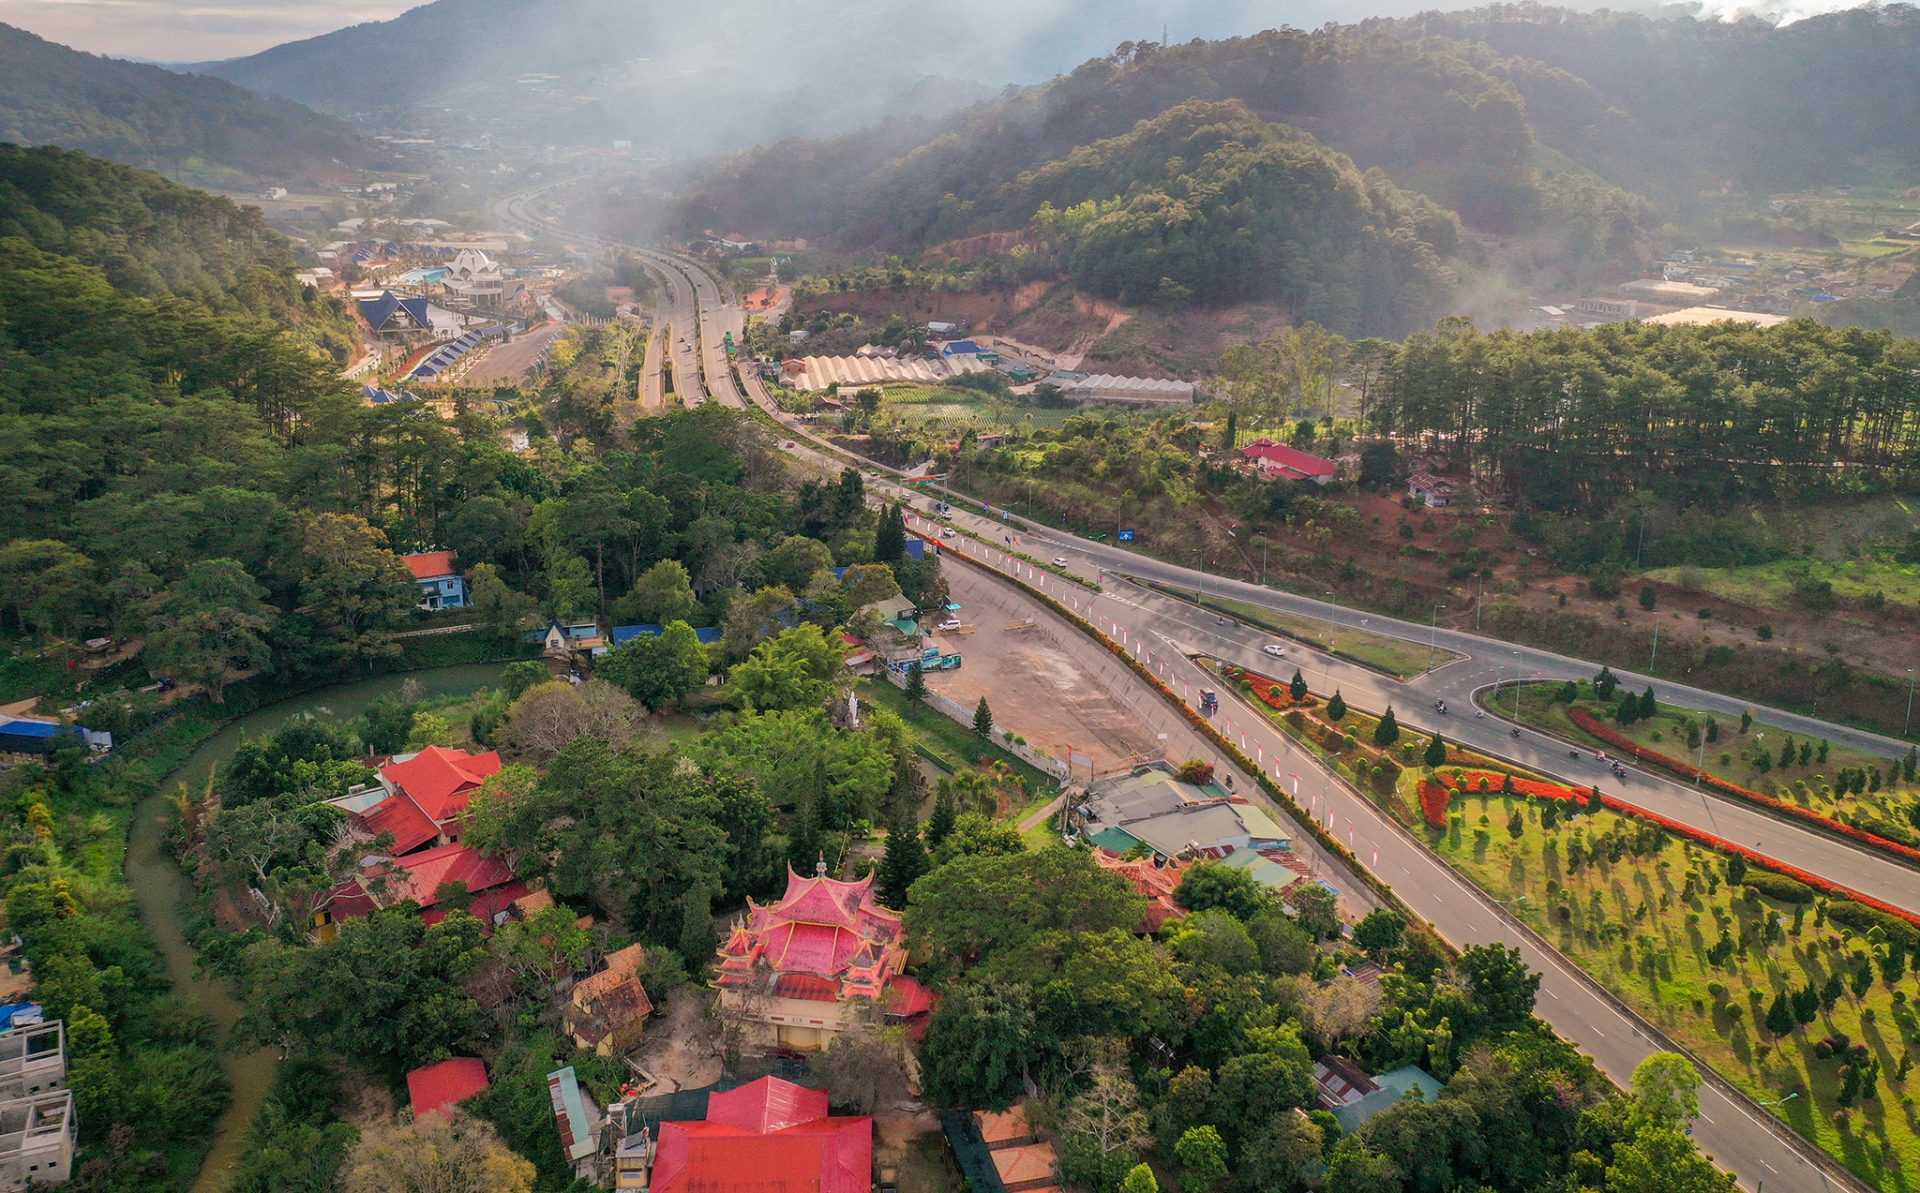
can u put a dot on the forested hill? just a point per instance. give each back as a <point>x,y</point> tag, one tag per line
<point>1513,116</point>
<point>1208,204</point>
<point>156,238</point>
<point>184,125</point>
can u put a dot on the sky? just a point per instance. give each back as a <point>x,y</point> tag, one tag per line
<point>178,31</point>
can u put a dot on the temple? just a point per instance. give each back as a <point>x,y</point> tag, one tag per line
<point>812,963</point>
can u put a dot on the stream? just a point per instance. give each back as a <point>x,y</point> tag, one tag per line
<point>164,894</point>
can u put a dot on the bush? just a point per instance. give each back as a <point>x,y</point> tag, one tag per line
<point>1779,886</point>
<point>1863,919</point>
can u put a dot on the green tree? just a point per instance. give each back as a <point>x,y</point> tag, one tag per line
<point>979,1042</point>
<point>1336,707</point>
<point>1316,909</point>
<point>1213,884</point>
<point>916,689</point>
<point>47,582</point>
<point>796,561</point>
<point>1503,989</point>
<point>940,823</point>
<point>983,719</point>
<point>794,670</point>
<point>890,537</point>
<point>213,615</point>
<point>1648,708</point>
<point>661,594</point>
<point>1436,753</point>
<point>1297,686</point>
<point>1387,731</point>
<point>657,668</point>
<point>1379,933</point>
<point>972,908</point>
<point>1516,823</point>
<point>1605,683</point>
<point>905,860</point>
<point>1780,1015</point>
<point>357,586</point>
<point>504,614</point>
<point>1647,597</point>
<point>1139,1179</point>
<point>388,723</point>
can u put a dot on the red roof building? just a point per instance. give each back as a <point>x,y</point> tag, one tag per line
<point>1156,882</point>
<point>440,780</point>
<point>436,1088</point>
<point>430,565</point>
<point>770,1136</point>
<point>824,944</point>
<point>1275,460</point>
<point>441,584</point>
<point>389,881</point>
<point>608,1011</point>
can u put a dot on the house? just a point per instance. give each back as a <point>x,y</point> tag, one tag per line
<point>959,348</point>
<point>392,316</point>
<point>769,1136</point>
<point>1021,1160</point>
<point>424,878</point>
<point>565,639</point>
<point>608,1011</point>
<point>1436,491</point>
<point>792,969</point>
<point>1344,1088</point>
<point>441,583</point>
<point>426,795</point>
<point>1156,878</point>
<point>1274,461</point>
<point>435,1089</point>
<point>942,329</point>
<point>620,635</point>
<point>1201,828</point>
<point>37,1126</point>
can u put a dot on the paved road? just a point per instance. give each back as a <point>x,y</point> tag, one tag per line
<point>1743,1141</point>
<point>509,363</point>
<point>1753,1146</point>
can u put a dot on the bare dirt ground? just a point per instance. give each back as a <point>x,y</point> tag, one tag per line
<point>1036,687</point>
<point>509,362</point>
<point>681,1052</point>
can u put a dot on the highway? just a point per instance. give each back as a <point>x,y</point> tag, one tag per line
<point>1740,1137</point>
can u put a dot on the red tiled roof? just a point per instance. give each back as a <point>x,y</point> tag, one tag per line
<point>440,779</point>
<point>430,565</point>
<point>621,966</point>
<point>808,986</point>
<point>401,816</point>
<point>437,1087</point>
<point>906,997</point>
<point>1291,459</point>
<point>1004,1128</point>
<point>767,1137</point>
<point>1025,1167</point>
<point>419,877</point>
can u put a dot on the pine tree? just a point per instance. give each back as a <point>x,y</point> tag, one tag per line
<point>805,840</point>
<point>1736,870</point>
<point>1595,805</point>
<point>1786,752</point>
<point>1907,768</point>
<point>1746,720</point>
<point>1713,731</point>
<point>1336,707</point>
<point>916,689</point>
<point>890,537</point>
<point>1516,825</point>
<point>1779,1015</point>
<point>905,860</point>
<point>1604,684</point>
<point>1436,755</point>
<point>983,719</point>
<point>1569,692</point>
<point>1629,710</point>
<point>1387,731</point>
<point>1647,705</point>
<point>1297,688</point>
<point>940,824</point>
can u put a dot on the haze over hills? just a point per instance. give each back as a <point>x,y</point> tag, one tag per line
<point>700,78</point>
<point>199,129</point>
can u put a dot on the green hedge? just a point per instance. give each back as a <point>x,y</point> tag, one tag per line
<point>1862,918</point>
<point>1779,886</point>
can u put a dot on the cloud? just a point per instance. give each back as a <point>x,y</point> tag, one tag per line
<point>171,31</point>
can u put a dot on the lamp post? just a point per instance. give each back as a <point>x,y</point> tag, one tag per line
<point>1908,727</point>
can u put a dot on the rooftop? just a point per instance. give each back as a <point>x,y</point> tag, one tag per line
<point>430,565</point>
<point>436,1088</point>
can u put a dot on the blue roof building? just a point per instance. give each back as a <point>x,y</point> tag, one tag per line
<point>623,634</point>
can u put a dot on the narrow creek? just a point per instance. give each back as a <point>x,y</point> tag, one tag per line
<point>164,894</point>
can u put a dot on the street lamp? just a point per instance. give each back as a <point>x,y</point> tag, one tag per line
<point>1909,725</point>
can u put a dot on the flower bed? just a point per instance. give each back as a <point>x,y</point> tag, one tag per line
<point>1262,687</point>
<point>1686,770</point>
<point>1434,799</point>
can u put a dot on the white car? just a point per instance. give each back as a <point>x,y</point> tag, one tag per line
<point>1059,561</point>
<point>1274,649</point>
<point>951,623</point>
<point>946,532</point>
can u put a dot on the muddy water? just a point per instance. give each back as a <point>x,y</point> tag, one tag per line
<point>163,893</point>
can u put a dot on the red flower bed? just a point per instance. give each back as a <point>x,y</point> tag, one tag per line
<point>1433,802</point>
<point>1261,684</point>
<point>1685,770</point>
<point>1529,787</point>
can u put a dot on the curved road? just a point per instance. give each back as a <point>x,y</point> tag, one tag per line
<point>1742,1139</point>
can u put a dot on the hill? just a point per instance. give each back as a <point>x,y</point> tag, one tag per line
<point>154,238</point>
<point>1594,127</point>
<point>699,78</point>
<point>188,126</point>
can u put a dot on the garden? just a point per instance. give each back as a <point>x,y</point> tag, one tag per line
<point>1752,970</point>
<point>1853,793</point>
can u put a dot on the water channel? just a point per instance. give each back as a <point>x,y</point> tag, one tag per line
<point>163,893</point>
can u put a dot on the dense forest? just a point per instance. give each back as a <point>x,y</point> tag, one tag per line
<point>1206,204</point>
<point>146,116</point>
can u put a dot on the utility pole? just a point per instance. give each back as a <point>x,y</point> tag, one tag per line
<point>1656,650</point>
<point>1477,602</point>
<point>1909,725</point>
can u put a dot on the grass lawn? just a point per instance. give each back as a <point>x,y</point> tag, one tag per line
<point>1736,757</point>
<point>1394,656</point>
<point>1642,925</point>
<point>947,742</point>
<point>1771,585</point>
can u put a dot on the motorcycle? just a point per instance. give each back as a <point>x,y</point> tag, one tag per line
<point>1513,733</point>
